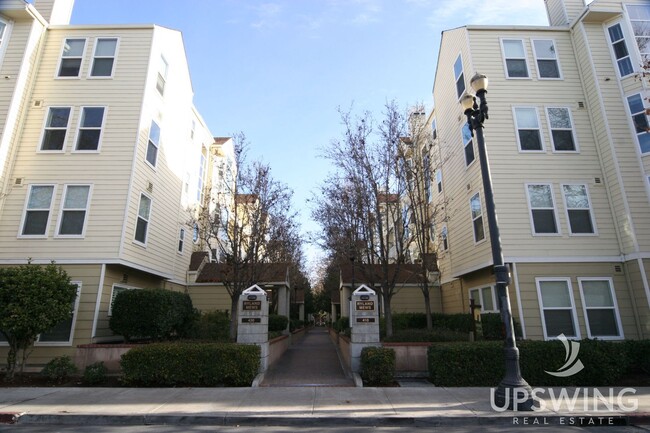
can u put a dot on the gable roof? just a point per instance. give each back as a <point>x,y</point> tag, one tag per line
<point>267,273</point>
<point>197,258</point>
<point>369,274</point>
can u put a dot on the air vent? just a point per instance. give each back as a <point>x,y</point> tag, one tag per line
<point>581,105</point>
<point>150,187</point>
<point>469,186</point>
<point>618,269</point>
<point>19,181</point>
<point>125,278</point>
<point>38,103</point>
<point>598,181</point>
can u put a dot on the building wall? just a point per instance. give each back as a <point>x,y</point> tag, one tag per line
<point>209,297</point>
<point>411,300</point>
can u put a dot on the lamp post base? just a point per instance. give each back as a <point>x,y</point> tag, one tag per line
<point>513,392</point>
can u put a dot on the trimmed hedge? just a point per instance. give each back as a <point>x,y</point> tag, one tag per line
<point>638,355</point>
<point>278,323</point>
<point>295,324</point>
<point>211,326</point>
<point>378,366</point>
<point>152,313</point>
<point>425,336</point>
<point>342,324</point>
<point>191,364</point>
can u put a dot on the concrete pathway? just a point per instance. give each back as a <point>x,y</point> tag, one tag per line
<point>311,361</point>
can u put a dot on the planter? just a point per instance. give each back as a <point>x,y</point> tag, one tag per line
<point>410,358</point>
<point>109,354</point>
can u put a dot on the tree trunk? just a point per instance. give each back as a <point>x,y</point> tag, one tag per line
<point>388,315</point>
<point>234,304</point>
<point>11,363</point>
<point>427,306</point>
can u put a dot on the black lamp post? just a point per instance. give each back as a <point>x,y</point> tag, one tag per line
<point>513,390</point>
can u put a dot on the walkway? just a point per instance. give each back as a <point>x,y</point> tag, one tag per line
<point>312,361</point>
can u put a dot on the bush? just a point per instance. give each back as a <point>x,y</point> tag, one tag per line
<point>378,366</point>
<point>342,324</point>
<point>493,328</point>
<point>152,313</point>
<point>296,324</point>
<point>95,373</point>
<point>638,355</point>
<point>211,326</point>
<point>423,335</point>
<point>277,322</point>
<point>59,368</point>
<point>191,364</point>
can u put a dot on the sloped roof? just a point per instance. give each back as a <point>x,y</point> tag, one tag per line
<point>222,272</point>
<point>197,258</point>
<point>221,140</point>
<point>368,274</point>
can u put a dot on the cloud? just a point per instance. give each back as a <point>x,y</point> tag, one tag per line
<point>453,13</point>
<point>267,14</point>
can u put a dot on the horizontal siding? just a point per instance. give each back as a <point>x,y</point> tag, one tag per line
<point>411,300</point>
<point>453,298</point>
<point>209,298</point>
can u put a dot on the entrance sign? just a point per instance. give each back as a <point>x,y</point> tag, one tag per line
<point>253,326</point>
<point>364,320</point>
<point>252,305</point>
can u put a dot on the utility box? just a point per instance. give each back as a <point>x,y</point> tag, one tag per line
<point>253,321</point>
<point>364,321</point>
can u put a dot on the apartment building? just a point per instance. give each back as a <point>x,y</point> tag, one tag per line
<point>102,153</point>
<point>569,154</point>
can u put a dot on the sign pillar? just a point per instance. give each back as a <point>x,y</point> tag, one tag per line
<point>253,317</point>
<point>364,321</point>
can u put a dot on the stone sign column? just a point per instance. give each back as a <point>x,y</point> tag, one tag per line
<point>364,321</point>
<point>253,317</point>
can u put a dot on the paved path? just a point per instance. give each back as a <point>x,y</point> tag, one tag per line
<point>311,361</point>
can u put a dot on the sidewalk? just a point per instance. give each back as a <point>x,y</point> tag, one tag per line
<point>286,406</point>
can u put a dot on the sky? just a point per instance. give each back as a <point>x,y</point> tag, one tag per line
<point>278,70</point>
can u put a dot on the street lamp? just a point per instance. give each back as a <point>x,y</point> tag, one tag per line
<point>513,390</point>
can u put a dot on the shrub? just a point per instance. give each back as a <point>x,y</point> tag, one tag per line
<point>296,324</point>
<point>378,366</point>
<point>152,313</point>
<point>191,364</point>
<point>59,368</point>
<point>278,323</point>
<point>211,326</point>
<point>342,324</point>
<point>493,328</point>
<point>638,355</point>
<point>423,335</point>
<point>95,373</point>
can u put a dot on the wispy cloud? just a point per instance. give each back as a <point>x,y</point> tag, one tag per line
<point>267,15</point>
<point>366,11</point>
<point>452,13</point>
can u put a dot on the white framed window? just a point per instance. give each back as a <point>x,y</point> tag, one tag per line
<point>640,20</point>
<point>161,79</point>
<point>439,179</point>
<point>543,218</point>
<point>434,129</point>
<point>74,211</point>
<point>514,57</point>
<point>104,58</point>
<point>459,76</point>
<point>38,210</point>
<point>153,143</point>
<point>557,307</point>
<point>529,134</point>
<point>142,223</point>
<point>91,123</point>
<point>426,162</point>
<point>72,55</point>
<point>117,289</point>
<point>192,129</point>
<point>62,333</point>
<point>55,129</point>
<point>444,239</point>
<point>181,239</point>
<point>546,59</point>
<point>200,192</point>
<point>477,218</point>
<point>620,51</point>
<point>195,233</point>
<point>5,29</point>
<point>640,121</point>
<point>600,308</point>
<point>484,296</point>
<point>578,209</point>
<point>560,124</point>
<point>468,144</point>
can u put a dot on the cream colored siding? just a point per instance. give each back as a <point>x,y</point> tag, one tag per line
<point>209,297</point>
<point>453,298</point>
<point>411,300</point>
<point>639,293</point>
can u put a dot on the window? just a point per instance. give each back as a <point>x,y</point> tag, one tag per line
<point>3,31</point>
<point>439,180</point>
<point>477,217</point>
<point>600,308</point>
<point>444,241</point>
<point>434,129</point>
<point>578,208</point>
<point>181,240</point>
<point>557,307</point>
<point>116,291</point>
<point>62,332</point>
<point>201,180</point>
<point>73,51</point>
<point>459,76</point>
<point>620,50</point>
<point>426,162</point>
<point>542,209</point>
<point>484,297</point>
<point>90,128</point>
<point>195,233</point>
<point>640,121</point>
<point>153,143</point>
<point>56,127</point>
<point>546,58</point>
<point>559,120</point>
<point>104,57</point>
<point>529,136</point>
<point>37,210</point>
<point>161,80</point>
<point>640,20</point>
<point>468,144</point>
<point>514,55</point>
<point>192,129</point>
<point>74,210</point>
<point>142,224</point>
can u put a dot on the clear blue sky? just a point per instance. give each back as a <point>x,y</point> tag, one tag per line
<point>278,69</point>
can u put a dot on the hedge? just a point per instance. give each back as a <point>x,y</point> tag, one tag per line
<point>211,326</point>
<point>377,366</point>
<point>191,364</point>
<point>426,336</point>
<point>277,322</point>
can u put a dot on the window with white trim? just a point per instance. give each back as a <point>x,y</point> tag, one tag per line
<point>426,162</point>
<point>546,59</point>
<point>153,143</point>
<point>181,239</point>
<point>200,193</point>
<point>142,224</point>
<point>439,179</point>
<point>444,240</point>
<point>161,79</point>
<point>56,128</point>
<point>477,218</point>
<point>434,129</point>
<point>514,55</point>
<point>195,233</point>
<point>640,20</point>
<point>483,296</point>
<point>71,57</point>
<point>104,57</point>
<point>561,126</point>
<point>62,333</point>
<point>620,50</point>
<point>3,31</point>
<point>578,208</point>
<point>37,210</point>
<point>74,210</point>
<point>192,129</point>
<point>529,135</point>
<point>90,128</point>
<point>600,308</point>
<point>639,115</point>
<point>557,307</point>
<point>459,76</point>
<point>116,290</point>
<point>542,208</point>
<point>468,144</point>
